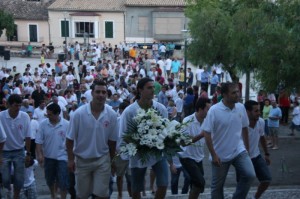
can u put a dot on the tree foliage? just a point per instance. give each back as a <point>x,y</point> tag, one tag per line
<point>259,36</point>
<point>7,23</point>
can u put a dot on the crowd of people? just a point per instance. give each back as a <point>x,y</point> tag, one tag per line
<point>72,119</point>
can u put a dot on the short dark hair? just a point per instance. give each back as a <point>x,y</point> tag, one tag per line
<point>14,98</point>
<point>54,108</point>
<point>201,103</point>
<point>267,99</point>
<point>141,83</point>
<point>225,87</point>
<point>123,105</point>
<point>190,91</point>
<point>98,83</point>
<point>249,104</point>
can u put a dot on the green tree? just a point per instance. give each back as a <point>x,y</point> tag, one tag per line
<point>258,36</point>
<point>7,23</point>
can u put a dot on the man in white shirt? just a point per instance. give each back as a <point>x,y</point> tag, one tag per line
<point>168,67</point>
<point>162,50</point>
<point>51,150</point>
<point>295,124</point>
<point>89,79</point>
<point>145,89</point>
<point>16,125</point>
<point>198,76</point>
<point>226,135</point>
<point>91,144</point>
<point>192,156</point>
<point>40,112</point>
<point>70,77</point>
<point>256,135</point>
<point>65,65</point>
<point>34,127</point>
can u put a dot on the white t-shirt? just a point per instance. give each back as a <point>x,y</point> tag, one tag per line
<point>53,138</point>
<point>57,79</point>
<point>17,90</point>
<point>2,134</point>
<point>296,115</point>
<point>168,64</point>
<point>16,130</point>
<point>70,78</point>
<point>64,66</point>
<point>254,137</point>
<point>90,68</point>
<point>179,104</point>
<point>225,126</point>
<point>195,151</point>
<point>48,71</point>
<point>198,74</point>
<point>89,79</point>
<point>127,116</point>
<point>162,48</point>
<point>62,100</point>
<point>34,128</point>
<point>39,114</point>
<point>112,89</point>
<point>91,135</point>
<point>88,95</point>
<point>26,79</point>
<point>29,174</point>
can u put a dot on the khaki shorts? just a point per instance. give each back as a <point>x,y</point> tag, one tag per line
<point>92,176</point>
<point>273,131</point>
<point>121,166</point>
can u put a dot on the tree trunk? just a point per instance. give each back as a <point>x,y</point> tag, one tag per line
<point>247,86</point>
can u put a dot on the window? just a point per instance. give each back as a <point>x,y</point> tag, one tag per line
<point>143,23</point>
<point>165,25</point>
<point>64,28</point>
<point>109,29</point>
<point>84,28</point>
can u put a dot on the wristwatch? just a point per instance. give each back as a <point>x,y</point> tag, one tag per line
<point>28,153</point>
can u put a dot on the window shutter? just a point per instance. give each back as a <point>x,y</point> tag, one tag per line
<point>109,32</point>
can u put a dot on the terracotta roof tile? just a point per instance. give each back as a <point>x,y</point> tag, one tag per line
<point>155,2</point>
<point>25,9</point>
<point>88,5</point>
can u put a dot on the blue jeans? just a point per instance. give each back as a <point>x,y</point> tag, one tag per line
<point>175,180</point>
<point>56,171</point>
<point>138,174</point>
<point>15,158</point>
<point>244,169</point>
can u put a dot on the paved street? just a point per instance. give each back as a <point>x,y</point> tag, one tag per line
<point>285,161</point>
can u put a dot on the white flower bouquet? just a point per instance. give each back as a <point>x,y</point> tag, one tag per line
<point>151,134</point>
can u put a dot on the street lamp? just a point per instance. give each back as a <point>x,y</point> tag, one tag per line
<point>185,36</point>
<point>65,46</point>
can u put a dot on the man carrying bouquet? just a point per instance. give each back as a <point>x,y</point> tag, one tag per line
<point>144,101</point>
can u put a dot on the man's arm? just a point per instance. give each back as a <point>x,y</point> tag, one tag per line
<point>263,143</point>
<point>112,148</point>
<point>198,137</point>
<point>28,143</point>
<point>245,137</point>
<point>39,154</point>
<point>215,159</point>
<point>71,163</point>
<point>1,148</point>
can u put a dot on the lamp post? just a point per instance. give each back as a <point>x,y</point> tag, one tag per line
<point>185,36</point>
<point>65,46</point>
